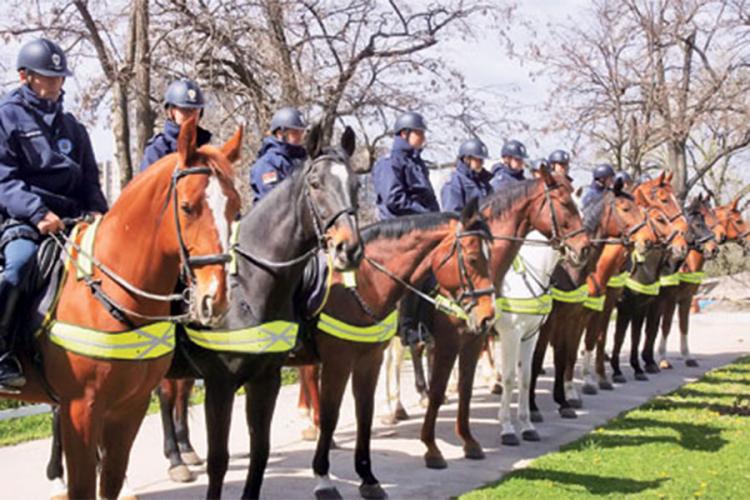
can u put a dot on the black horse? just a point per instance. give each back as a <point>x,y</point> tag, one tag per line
<point>315,208</point>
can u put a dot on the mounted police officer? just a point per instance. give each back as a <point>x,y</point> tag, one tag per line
<point>182,100</point>
<point>281,152</point>
<point>402,186</point>
<point>537,166</point>
<point>401,179</point>
<point>626,179</point>
<point>510,170</point>
<point>47,172</point>
<point>470,179</point>
<point>559,160</point>
<point>604,176</point>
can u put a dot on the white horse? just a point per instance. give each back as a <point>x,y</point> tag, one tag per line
<point>523,306</point>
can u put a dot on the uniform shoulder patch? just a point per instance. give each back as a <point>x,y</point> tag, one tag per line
<point>269,177</point>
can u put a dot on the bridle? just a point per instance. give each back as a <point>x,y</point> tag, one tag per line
<point>625,232</point>
<point>557,240</point>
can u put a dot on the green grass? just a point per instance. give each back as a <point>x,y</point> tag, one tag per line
<point>694,442</point>
<point>19,430</point>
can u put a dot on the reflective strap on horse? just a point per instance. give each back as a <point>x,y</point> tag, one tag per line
<point>695,278</point>
<point>450,307</point>
<point>85,264</point>
<point>274,336</point>
<point>576,296</point>
<point>670,280</point>
<point>518,265</point>
<point>379,332</point>
<point>234,237</point>
<point>145,342</point>
<point>595,303</point>
<point>537,306</point>
<point>618,281</point>
<point>636,286</point>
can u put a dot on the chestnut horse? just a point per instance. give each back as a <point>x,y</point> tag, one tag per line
<point>727,225</point>
<point>399,253</point>
<point>172,219</point>
<point>544,204</point>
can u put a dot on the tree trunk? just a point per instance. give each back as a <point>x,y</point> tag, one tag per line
<point>121,131</point>
<point>678,165</point>
<point>144,117</point>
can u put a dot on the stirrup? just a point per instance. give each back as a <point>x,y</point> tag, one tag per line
<point>11,384</point>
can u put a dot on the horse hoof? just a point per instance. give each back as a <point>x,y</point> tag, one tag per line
<point>691,363</point>
<point>191,458</point>
<point>606,385</point>
<point>665,365</point>
<point>58,490</point>
<point>181,474</point>
<point>510,439</point>
<point>652,368</point>
<point>575,403</point>
<point>372,491</point>
<point>542,372</point>
<point>435,462</point>
<point>640,376</point>
<point>536,417</point>
<point>497,389</point>
<point>400,414</point>
<point>568,413</point>
<point>310,433</point>
<point>619,378</point>
<point>589,389</point>
<point>530,435</point>
<point>328,494</point>
<point>424,401</point>
<point>474,452</point>
<point>389,419</point>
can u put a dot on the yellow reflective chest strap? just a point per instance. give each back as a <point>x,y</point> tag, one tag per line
<point>538,306</point>
<point>233,239</point>
<point>595,303</point>
<point>146,342</point>
<point>671,280</point>
<point>618,281</point>
<point>636,286</point>
<point>576,296</point>
<point>379,332</point>
<point>274,336</point>
<point>695,278</point>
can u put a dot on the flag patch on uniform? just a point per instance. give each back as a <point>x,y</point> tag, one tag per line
<point>269,177</point>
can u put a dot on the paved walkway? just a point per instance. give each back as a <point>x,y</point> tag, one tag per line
<point>716,339</point>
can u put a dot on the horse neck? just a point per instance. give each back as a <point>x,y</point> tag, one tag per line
<point>279,228</point>
<point>694,261</point>
<point>408,257</point>
<point>608,263</point>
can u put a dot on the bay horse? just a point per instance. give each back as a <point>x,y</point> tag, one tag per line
<point>358,322</point>
<point>702,244</point>
<point>544,204</point>
<point>312,210</point>
<point>172,219</point>
<point>728,225</point>
<point>614,218</point>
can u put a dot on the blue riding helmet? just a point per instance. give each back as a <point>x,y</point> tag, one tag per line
<point>623,176</point>
<point>474,148</point>
<point>184,93</point>
<point>410,120</point>
<point>514,149</point>
<point>44,57</point>
<point>559,156</point>
<point>287,118</point>
<point>603,171</point>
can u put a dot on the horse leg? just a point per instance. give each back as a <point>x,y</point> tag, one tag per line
<point>536,368</point>
<point>496,386</point>
<point>260,400</point>
<point>399,412</point>
<point>572,341</point>
<point>528,432</point>
<point>624,312</point>
<point>636,328</point>
<point>420,380</point>
<point>81,428</point>
<point>684,317</point>
<point>309,400</point>
<point>666,327</point>
<point>560,357</point>
<point>55,468</point>
<point>335,373</point>
<point>588,369</point>
<point>117,439</point>
<point>182,429</point>
<point>653,315</point>
<point>471,347</point>
<point>218,407</point>
<point>510,347</point>
<point>447,345</point>
<point>178,470</point>
<point>364,383</point>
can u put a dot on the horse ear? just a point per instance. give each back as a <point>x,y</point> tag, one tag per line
<point>348,141</point>
<point>735,202</point>
<point>700,198</point>
<point>187,139</point>
<point>313,143</point>
<point>619,184</point>
<point>669,177</point>
<point>546,175</point>
<point>579,192</point>
<point>233,147</point>
<point>661,178</point>
<point>470,212</point>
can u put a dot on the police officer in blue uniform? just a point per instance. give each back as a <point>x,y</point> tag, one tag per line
<point>626,179</point>
<point>510,170</point>
<point>401,179</point>
<point>603,178</point>
<point>47,172</point>
<point>470,179</point>
<point>280,154</point>
<point>559,161</point>
<point>537,166</point>
<point>182,100</point>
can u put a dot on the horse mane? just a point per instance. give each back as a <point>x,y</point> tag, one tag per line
<point>593,213</point>
<point>507,196</point>
<point>395,228</point>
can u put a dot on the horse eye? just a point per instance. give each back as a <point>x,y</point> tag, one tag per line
<point>185,207</point>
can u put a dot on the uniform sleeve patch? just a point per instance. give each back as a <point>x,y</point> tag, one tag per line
<point>269,177</point>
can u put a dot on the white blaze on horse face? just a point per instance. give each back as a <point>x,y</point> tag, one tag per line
<point>342,173</point>
<point>217,202</point>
